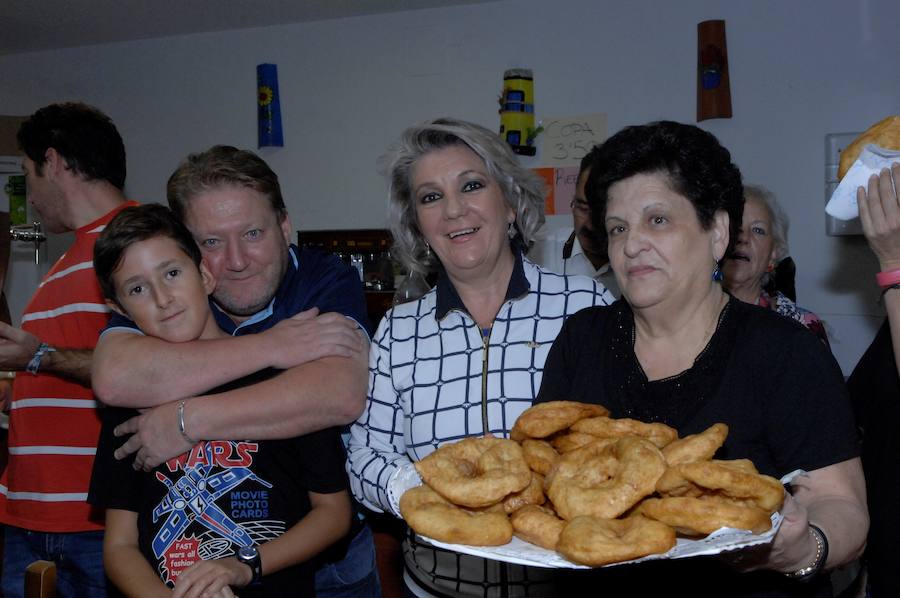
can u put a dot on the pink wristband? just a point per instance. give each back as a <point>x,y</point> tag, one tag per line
<point>888,279</point>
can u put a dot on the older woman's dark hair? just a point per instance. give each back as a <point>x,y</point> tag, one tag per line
<point>694,162</point>
<point>523,190</point>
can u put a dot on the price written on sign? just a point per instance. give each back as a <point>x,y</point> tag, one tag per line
<point>566,140</point>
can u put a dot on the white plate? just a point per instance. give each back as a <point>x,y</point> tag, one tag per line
<point>524,553</point>
<point>722,540</point>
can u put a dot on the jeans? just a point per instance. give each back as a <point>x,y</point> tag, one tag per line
<point>353,577</point>
<point>78,557</point>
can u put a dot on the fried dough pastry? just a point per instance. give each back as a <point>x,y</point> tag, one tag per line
<point>533,494</point>
<point>745,465</point>
<point>605,481</point>
<point>595,489</point>
<point>590,461</point>
<point>540,455</point>
<point>595,541</point>
<point>430,514</point>
<point>476,472</point>
<point>537,525</point>
<point>885,133</point>
<point>571,441</point>
<point>672,483</point>
<point>544,419</point>
<point>605,427</point>
<point>701,516</point>
<point>735,482</point>
<point>696,447</point>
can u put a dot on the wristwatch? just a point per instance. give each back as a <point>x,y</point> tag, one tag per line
<point>249,555</point>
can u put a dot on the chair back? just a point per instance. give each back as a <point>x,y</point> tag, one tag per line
<point>40,580</point>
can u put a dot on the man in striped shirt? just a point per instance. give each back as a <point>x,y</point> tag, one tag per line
<point>75,172</point>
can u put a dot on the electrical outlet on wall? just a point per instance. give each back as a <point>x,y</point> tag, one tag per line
<point>834,145</point>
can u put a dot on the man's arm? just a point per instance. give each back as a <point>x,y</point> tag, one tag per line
<point>133,370</point>
<point>311,397</point>
<point>160,371</point>
<point>18,347</point>
<point>327,392</point>
<point>123,561</point>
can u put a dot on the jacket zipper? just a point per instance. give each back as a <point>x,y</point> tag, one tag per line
<point>484,385</point>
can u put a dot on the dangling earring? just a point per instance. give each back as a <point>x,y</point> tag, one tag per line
<point>717,275</point>
<point>511,231</point>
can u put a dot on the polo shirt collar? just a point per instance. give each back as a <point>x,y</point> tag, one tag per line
<point>448,298</point>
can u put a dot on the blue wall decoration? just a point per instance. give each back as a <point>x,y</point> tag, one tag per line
<point>268,105</point>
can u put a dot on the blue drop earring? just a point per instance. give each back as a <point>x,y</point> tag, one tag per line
<point>717,275</point>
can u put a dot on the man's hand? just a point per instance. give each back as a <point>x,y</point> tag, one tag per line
<point>155,437</point>
<point>879,212</point>
<point>17,347</point>
<point>212,578</point>
<point>309,335</point>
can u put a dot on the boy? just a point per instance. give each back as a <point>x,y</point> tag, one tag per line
<point>226,513</point>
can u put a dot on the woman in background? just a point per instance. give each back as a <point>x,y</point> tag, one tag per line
<point>761,244</point>
<point>467,358</point>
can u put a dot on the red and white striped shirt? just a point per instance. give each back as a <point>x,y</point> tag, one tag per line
<point>53,422</point>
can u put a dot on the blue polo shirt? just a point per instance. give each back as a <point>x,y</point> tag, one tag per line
<point>314,278</point>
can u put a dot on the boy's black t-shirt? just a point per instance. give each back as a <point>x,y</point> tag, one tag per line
<point>220,496</point>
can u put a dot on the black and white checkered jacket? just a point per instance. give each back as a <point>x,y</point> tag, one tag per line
<point>435,377</point>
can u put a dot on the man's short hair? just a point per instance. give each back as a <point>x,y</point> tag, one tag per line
<point>588,159</point>
<point>219,166</point>
<point>82,135</point>
<point>132,225</point>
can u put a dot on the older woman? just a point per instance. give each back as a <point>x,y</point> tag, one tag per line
<point>761,245</point>
<point>679,350</point>
<point>467,358</point>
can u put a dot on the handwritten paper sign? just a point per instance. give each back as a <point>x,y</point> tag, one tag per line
<point>566,140</point>
<point>561,184</point>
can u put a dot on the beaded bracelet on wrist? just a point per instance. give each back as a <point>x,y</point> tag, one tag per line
<point>818,562</point>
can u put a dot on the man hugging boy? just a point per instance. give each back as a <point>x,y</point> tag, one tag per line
<point>227,514</point>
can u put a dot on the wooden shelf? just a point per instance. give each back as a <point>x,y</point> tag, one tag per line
<point>372,246</point>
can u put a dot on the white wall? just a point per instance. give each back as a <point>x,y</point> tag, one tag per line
<point>799,70</point>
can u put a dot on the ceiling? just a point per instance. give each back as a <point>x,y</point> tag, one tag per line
<point>31,25</point>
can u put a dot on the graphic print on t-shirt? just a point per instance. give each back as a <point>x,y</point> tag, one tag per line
<point>214,505</point>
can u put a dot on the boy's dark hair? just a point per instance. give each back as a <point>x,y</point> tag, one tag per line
<point>82,135</point>
<point>223,165</point>
<point>131,225</point>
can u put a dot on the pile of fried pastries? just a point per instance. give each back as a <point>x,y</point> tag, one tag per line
<point>595,489</point>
